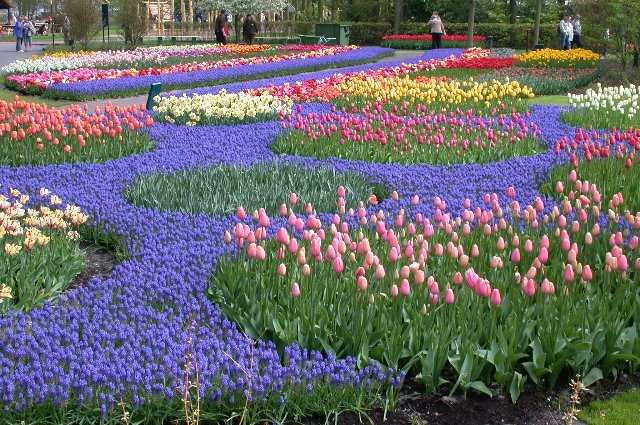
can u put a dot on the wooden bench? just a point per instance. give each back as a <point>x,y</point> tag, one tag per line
<point>177,38</point>
<point>316,39</point>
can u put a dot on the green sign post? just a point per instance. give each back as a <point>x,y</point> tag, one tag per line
<point>154,90</point>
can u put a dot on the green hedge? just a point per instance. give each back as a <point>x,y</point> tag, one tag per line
<point>371,33</point>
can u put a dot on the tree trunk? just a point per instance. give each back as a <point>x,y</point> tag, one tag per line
<point>472,23</point>
<point>173,17</point>
<point>159,12</point>
<point>536,31</point>
<point>183,12</point>
<point>190,14</point>
<point>398,5</point>
<point>513,12</point>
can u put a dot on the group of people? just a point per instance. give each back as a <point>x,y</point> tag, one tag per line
<point>23,30</point>
<point>569,30</point>
<point>223,27</point>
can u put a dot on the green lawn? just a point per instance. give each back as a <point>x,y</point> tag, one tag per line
<point>555,99</point>
<point>623,409</point>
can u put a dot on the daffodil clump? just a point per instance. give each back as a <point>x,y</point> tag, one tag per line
<point>41,253</point>
<point>605,107</point>
<point>437,94</point>
<point>220,108</point>
<point>552,58</point>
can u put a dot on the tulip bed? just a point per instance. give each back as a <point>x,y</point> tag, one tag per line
<point>423,41</point>
<point>545,81</point>
<point>221,108</point>
<point>37,134</point>
<point>41,252</point>
<point>85,83</point>
<point>375,135</point>
<point>552,58</point>
<point>216,190</point>
<point>605,107</point>
<point>465,277</point>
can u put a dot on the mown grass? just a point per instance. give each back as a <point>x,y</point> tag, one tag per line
<point>623,409</point>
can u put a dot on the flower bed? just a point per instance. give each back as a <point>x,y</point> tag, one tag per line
<point>546,81</point>
<point>221,108</point>
<point>436,94</point>
<point>137,58</point>
<point>605,107</point>
<point>552,58</point>
<point>41,253</point>
<point>35,134</point>
<point>146,343</point>
<point>423,41</point>
<point>608,158</point>
<point>328,88</point>
<point>38,82</point>
<point>219,190</point>
<point>373,134</point>
<point>391,286</point>
<point>194,76</point>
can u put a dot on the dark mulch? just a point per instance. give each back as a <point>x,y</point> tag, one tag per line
<point>533,408</point>
<point>99,262</point>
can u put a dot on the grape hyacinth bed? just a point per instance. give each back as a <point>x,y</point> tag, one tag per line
<point>149,336</point>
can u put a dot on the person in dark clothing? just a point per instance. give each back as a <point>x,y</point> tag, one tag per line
<point>221,22</point>
<point>249,29</point>
<point>436,29</point>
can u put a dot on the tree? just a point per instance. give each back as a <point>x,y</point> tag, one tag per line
<point>84,17</point>
<point>536,28</point>
<point>398,6</point>
<point>621,18</point>
<point>132,16</point>
<point>472,23</point>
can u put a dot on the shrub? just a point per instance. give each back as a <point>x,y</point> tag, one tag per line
<point>84,17</point>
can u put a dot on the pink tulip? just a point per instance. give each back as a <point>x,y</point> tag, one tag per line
<point>568,273</point>
<point>240,213</point>
<point>547,287</point>
<point>306,270</point>
<point>587,274</point>
<point>293,198</point>
<point>337,265</point>
<point>528,246</point>
<point>475,251</point>
<point>623,264</point>
<point>295,290</point>
<point>282,236</point>
<point>341,192</point>
<point>379,273</point>
<point>405,288</point>
<point>529,287</point>
<point>457,278</point>
<point>500,245</point>
<point>362,283</point>
<point>438,250</point>
<point>282,210</point>
<point>251,250</point>
<point>515,255</point>
<point>449,296</point>
<point>394,291</point>
<point>282,269</point>
<point>393,254</point>
<point>543,255</point>
<point>495,298</point>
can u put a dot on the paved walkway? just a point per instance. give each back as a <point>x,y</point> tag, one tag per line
<point>8,52</point>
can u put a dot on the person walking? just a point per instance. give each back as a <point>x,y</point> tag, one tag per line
<point>28,32</point>
<point>18,32</point>
<point>221,22</point>
<point>249,29</point>
<point>566,32</point>
<point>577,31</point>
<point>436,28</point>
